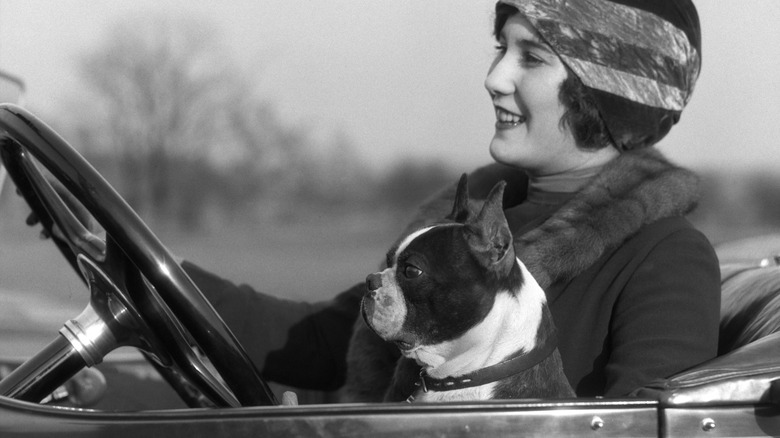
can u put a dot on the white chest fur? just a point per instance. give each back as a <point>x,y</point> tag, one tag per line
<point>484,392</point>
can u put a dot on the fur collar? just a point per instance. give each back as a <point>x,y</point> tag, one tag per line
<point>635,189</point>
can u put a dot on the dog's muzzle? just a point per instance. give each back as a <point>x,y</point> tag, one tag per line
<point>383,305</point>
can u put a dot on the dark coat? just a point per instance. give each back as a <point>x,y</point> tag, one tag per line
<point>633,288</point>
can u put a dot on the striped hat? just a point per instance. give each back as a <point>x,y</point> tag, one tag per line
<point>639,58</point>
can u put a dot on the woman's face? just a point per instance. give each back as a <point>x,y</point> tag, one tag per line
<point>524,81</point>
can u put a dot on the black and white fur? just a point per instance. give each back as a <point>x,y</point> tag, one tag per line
<point>455,299</point>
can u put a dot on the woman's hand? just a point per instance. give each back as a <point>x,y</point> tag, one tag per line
<point>289,398</point>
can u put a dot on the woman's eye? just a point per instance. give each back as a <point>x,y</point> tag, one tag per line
<point>411,271</point>
<point>531,59</point>
<point>501,48</point>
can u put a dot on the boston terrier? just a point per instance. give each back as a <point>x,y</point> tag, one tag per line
<point>470,320</point>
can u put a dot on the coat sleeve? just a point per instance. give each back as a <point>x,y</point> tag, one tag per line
<point>293,343</point>
<point>666,318</point>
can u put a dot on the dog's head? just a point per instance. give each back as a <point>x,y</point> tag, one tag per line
<point>442,280</point>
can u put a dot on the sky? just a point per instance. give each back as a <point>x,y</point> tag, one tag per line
<point>404,78</point>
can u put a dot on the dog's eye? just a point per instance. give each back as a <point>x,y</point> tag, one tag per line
<point>411,271</point>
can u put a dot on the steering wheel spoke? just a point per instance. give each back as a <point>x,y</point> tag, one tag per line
<point>66,225</point>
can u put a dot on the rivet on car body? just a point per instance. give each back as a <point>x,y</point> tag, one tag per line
<point>707,424</point>
<point>596,423</point>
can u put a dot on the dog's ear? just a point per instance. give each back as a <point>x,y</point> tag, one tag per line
<point>492,229</point>
<point>460,210</point>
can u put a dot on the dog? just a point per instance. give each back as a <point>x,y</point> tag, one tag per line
<point>470,321</point>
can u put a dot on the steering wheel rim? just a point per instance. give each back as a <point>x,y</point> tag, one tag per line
<point>131,255</point>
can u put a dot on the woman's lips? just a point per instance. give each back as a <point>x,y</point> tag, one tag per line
<point>506,119</point>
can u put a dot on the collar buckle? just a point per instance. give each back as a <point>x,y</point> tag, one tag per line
<point>422,380</point>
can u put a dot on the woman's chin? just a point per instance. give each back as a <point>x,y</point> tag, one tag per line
<point>503,151</point>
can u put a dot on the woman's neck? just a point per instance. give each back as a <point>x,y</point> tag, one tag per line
<point>566,182</point>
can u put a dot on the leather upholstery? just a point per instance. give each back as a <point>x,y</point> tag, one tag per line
<point>750,305</point>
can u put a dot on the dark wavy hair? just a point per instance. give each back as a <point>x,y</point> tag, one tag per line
<point>582,115</point>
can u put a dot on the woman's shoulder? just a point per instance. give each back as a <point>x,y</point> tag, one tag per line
<point>673,242</point>
<point>672,229</point>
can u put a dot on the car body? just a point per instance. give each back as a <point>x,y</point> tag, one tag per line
<point>736,394</point>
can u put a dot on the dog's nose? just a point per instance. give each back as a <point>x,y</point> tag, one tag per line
<point>373,282</point>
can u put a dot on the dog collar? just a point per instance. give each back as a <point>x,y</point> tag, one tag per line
<point>492,373</point>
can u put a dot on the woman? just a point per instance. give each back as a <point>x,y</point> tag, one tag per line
<point>582,91</point>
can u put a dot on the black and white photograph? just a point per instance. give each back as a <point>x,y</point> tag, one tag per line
<point>388,218</point>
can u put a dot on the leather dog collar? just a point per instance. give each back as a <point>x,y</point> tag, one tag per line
<point>492,373</point>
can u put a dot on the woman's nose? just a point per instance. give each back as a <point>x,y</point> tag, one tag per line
<point>500,78</point>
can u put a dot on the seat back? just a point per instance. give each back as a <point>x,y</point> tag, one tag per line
<point>750,303</point>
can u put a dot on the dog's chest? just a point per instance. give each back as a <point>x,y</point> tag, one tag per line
<point>484,392</point>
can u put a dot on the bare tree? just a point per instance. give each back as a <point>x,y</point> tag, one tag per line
<point>164,93</point>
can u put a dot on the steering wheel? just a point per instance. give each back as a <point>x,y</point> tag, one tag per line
<point>140,296</point>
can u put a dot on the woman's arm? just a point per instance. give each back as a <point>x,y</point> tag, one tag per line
<point>293,343</point>
<point>666,318</point>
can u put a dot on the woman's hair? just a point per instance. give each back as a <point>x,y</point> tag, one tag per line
<point>581,115</point>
